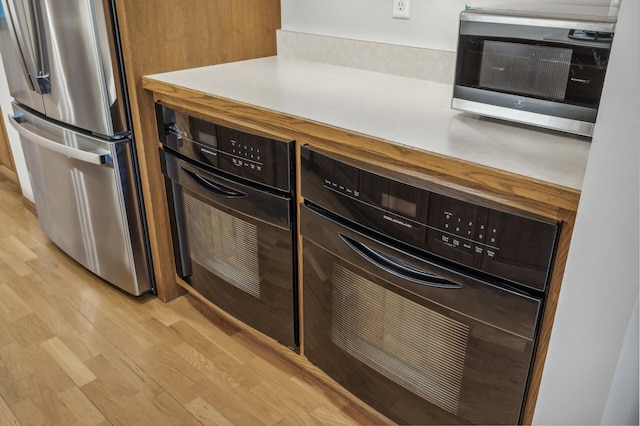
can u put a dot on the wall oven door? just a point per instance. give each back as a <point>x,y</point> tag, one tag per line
<point>418,341</point>
<point>233,244</point>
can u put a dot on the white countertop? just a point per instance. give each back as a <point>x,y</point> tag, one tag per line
<point>401,110</point>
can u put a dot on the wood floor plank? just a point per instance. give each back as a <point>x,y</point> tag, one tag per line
<point>162,312</point>
<point>51,406</point>
<point>136,374</point>
<point>29,239</point>
<point>53,308</point>
<point>172,412</point>
<point>118,337</point>
<point>7,416</point>
<point>109,380</point>
<point>28,370</point>
<point>79,343</point>
<point>88,344</point>
<point>172,373</point>
<point>82,408</point>
<point>6,272</point>
<point>68,361</point>
<point>219,335</point>
<point>162,333</point>
<point>18,248</point>
<point>284,405</point>
<point>232,406</point>
<point>130,324</point>
<point>11,390</point>
<point>195,339</point>
<point>330,416</point>
<point>116,411</point>
<point>206,414</point>
<point>5,332</point>
<point>358,414</point>
<point>206,366</point>
<point>12,302</point>
<point>14,262</point>
<point>29,414</point>
<point>322,395</point>
<point>30,329</point>
<point>271,365</point>
<point>245,376</point>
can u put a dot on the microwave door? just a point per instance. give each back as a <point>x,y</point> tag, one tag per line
<point>19,48</point>
<point>84,89</point>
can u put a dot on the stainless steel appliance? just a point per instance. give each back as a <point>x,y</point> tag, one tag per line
<point>541,65</point>
<point>421,301</point>
<point>231,206</point>
<point>64,72</point>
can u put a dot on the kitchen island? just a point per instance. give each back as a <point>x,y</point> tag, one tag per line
<point>399,124</point>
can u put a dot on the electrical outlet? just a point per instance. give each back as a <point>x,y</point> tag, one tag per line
<point>401,9</point>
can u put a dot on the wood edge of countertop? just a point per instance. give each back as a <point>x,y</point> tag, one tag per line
<point>506,188</point>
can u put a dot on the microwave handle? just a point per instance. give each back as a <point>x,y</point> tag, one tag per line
<point>396,267</point>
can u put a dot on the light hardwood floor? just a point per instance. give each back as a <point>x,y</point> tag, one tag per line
<point>75,350</point>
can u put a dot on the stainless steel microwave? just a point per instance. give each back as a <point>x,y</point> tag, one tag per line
<point>539,67</point>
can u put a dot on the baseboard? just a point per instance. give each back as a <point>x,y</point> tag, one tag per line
<point>10,175</point>
<point>29,205</point>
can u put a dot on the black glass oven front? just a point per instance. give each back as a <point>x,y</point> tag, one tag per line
<point>231,211</point>
<point>424,305</point>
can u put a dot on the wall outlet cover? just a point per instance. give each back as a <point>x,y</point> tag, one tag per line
<point>401,9</point>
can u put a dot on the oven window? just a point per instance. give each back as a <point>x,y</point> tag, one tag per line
<point>394,345</point>
<point>223,244</point>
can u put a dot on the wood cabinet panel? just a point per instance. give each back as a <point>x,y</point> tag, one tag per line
<point>7,165</point>
<point>159,36</point>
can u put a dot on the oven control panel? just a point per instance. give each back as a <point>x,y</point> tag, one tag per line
<point>503,244</point>
<point>253,157</point>
<point>509,246</point>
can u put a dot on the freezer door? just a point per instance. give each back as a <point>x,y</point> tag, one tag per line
<point>85,197</point>
<point>80,62</point>
<point>19,48</point>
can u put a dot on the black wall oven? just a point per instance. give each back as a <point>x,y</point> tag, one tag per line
<point>230,196</point>
<point>423,305</point>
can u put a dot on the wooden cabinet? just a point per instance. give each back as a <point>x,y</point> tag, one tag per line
<point>7,166</point>
<point>540,198</point>
<point>159,36</point>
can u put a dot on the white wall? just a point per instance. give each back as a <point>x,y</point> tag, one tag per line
<point>622,407</point>
<point>601,280</point>
<point>433,23</point>
<point>589,376</point>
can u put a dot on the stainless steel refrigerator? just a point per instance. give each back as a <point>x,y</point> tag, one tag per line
<point>64,70</point>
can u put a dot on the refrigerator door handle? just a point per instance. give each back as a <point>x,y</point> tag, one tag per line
<point>34,65</point>
<point>20,42</point>
<point>42,58</point>
<point>87,157</point>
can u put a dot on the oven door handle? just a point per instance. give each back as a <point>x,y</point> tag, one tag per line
<point>396,267</point>
<point>212,187</point>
